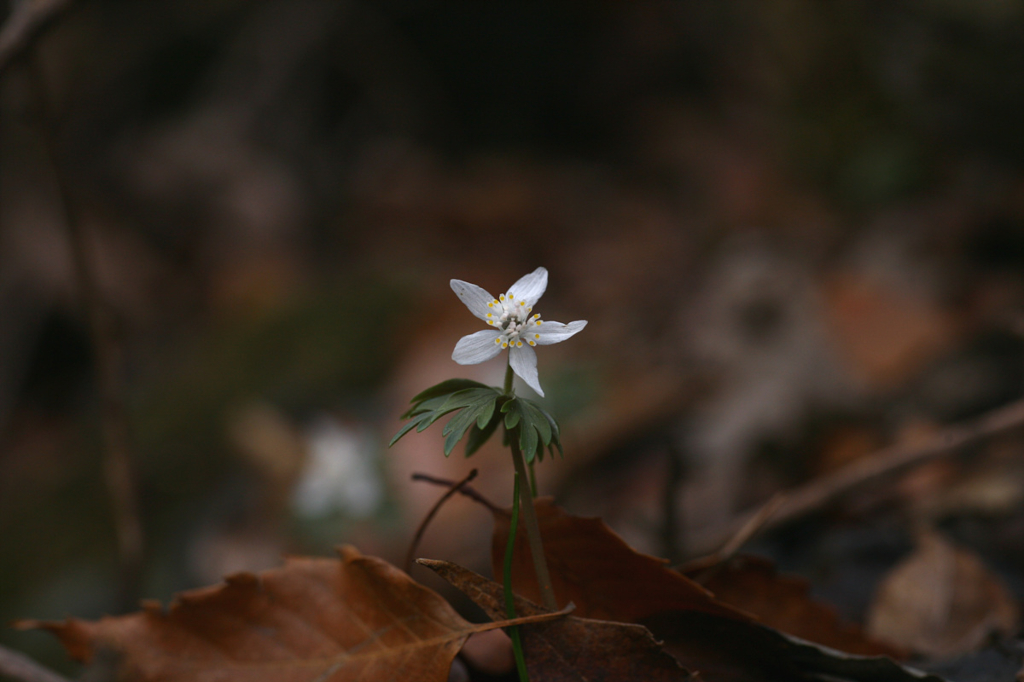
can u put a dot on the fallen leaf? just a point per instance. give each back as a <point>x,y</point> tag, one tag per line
<point>727,650</point>
<point>571,648</point>
<point>313,619</point>
<point>885,334</point>
<point>941,601</point>
<point>783,602</point>
<point>596,570</point>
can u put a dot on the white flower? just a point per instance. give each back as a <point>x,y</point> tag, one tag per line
<point>513,327</point>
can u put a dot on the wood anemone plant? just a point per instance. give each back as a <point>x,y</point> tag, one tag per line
<point>479,409</point>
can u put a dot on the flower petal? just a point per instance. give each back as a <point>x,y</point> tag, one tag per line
<point>547,333</point>
<point>530,287</point>
<point>475,298</point>
<point>476,348</point>
<point>524,363</point>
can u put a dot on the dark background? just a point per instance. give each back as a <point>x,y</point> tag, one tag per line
<point>796,229</point>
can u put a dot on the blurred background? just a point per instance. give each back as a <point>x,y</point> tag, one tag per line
<point>796,229</point>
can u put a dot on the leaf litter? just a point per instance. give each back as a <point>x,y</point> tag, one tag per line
<point>725,640</point>
<point>634,617</point>
<point>314,619</point>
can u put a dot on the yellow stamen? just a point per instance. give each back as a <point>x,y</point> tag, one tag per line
<point>536,336</point>
<point>504,345</point>
<point>519,344</point>
<point>533,343</point>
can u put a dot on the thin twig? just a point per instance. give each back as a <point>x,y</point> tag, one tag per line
<point>20,667</point>
<point>454,488</point>
<point>889,461</point>
<point>26,22</point>
<point>709,565</point>
<point>468,491</point>
<point>117,461</point>
<point>755,523</point>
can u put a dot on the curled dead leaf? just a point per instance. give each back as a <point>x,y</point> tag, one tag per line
<point>784,602</point>
<point>595,569</point>
<point>313,619</point>
<point>727,650</point>
<point>571,648</point>
<point>941,601</point>
<point>608,580</point>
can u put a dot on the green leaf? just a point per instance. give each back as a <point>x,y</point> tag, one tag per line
<point>528,439</point>
<point>477,436</point>
<point>485,414</point>
<point>446,388</point>
<point>405,429</point>
<point>512,414</point>
<point>469,412</point>
<point>425,406</point>
<point>476,401</point>
<point>456,428</point>
<point>458,401</point>
<point>551,420</point>
<point>556,441</point>
<point>539,421</point>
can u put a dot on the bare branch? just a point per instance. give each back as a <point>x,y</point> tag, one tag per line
<point>466,490</point>
<point>886,462</point>
<point>117,457</point>
<point>430,515</point>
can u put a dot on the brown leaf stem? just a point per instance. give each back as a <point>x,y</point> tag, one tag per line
<point>521,620</point>
<point>452,489</point>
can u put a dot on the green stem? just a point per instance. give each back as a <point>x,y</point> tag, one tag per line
<point>508,377</point>
<point>540,564</point>
<point>510,602</point>
<point>533,477</point>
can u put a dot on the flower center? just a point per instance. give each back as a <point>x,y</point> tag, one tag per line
<point>511,317</point>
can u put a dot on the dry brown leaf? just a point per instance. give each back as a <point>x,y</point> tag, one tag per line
<point>784,603</point>
<point>571,648</point>
<point>313,619</point>
<point>593,567</point>
<point>941,601</point>
<point>885,334</point>
<point>596,570</point>
<point>728,650</point>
